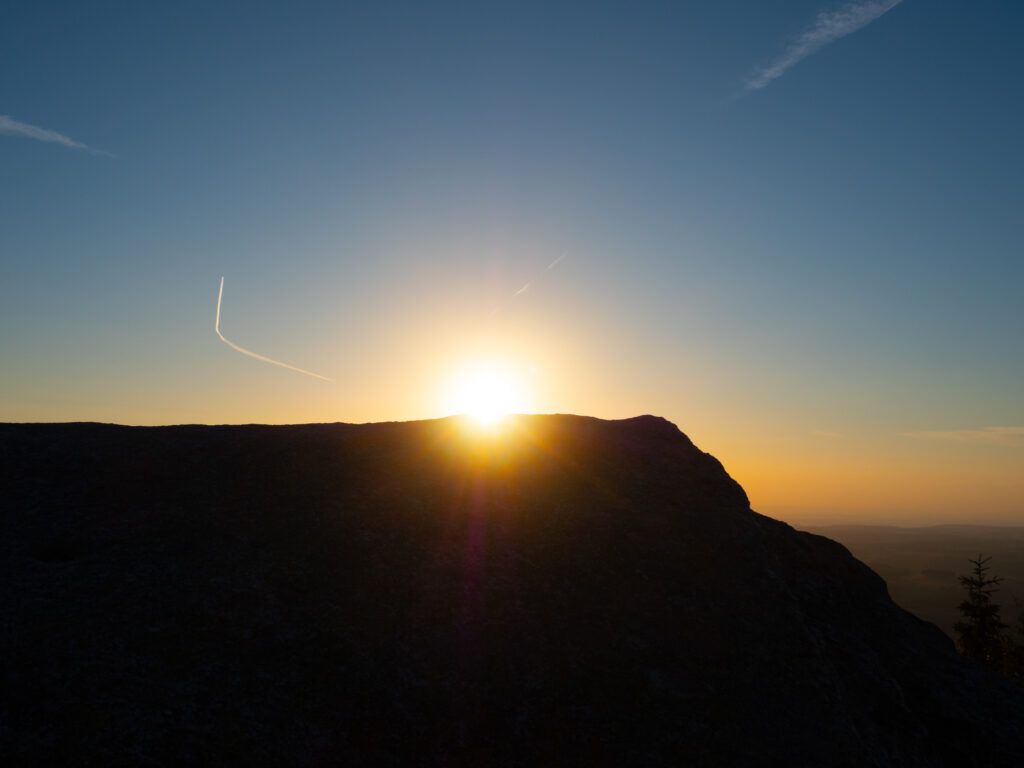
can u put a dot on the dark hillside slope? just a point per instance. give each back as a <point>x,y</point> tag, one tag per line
<point>569,591</point>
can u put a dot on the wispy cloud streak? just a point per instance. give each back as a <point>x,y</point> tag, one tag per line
<point>1011,436</point>
<point>249,352</point>
<point>11,127</point>
<point>828,27</point>
<point>529,284</point>
<point>554,263</point>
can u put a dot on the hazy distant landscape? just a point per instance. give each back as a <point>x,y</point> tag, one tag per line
<point>921,565</point>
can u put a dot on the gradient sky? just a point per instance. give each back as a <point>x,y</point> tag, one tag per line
<point>792,228</point>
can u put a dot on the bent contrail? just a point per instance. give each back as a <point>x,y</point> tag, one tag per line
<point>249,352</point>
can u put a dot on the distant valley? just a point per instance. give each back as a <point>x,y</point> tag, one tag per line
<point>921,565</point>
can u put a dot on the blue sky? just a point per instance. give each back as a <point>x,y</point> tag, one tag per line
<point>835,251</point>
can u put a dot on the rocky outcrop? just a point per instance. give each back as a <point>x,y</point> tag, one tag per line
<point>565,591</point>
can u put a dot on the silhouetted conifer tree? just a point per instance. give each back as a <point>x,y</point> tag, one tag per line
<point>981,629</point>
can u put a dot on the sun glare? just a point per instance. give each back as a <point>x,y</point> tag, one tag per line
<point>487,394</point>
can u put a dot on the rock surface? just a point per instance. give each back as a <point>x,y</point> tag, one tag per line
<point>565,591</point>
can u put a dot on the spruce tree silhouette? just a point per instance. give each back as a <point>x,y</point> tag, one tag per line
<point>982,626</point>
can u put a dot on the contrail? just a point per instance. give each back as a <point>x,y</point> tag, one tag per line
<point>524,289</point>
<point>553,263</point>
<point>11,127</point>
<point>828,27</point>
<point>250,353</point>
<point>529,284</point>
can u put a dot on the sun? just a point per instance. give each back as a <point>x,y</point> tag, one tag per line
<point>487,393</point>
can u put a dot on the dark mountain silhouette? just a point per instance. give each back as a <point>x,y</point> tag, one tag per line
<point>571,591</point>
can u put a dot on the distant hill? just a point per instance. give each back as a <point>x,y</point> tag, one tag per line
<point>921,565</point>
<point>569,591</point>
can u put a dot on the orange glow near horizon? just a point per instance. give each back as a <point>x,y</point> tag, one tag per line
<point>799,460</point>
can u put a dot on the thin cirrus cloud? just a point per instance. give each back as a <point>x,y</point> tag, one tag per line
<point>828,27</point>
<point>1007,436</point>
<point>11,127</point>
